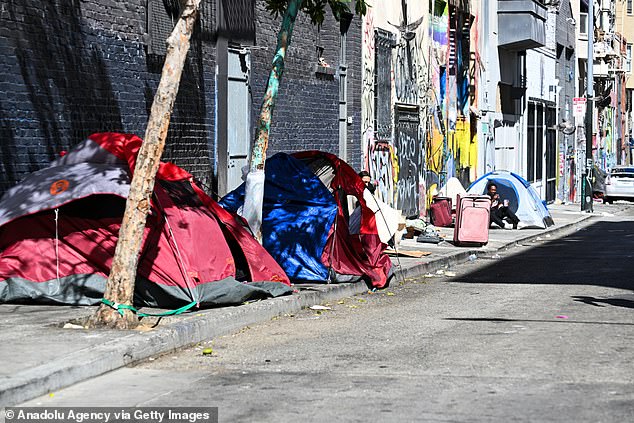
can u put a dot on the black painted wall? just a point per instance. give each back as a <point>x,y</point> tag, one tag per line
<point>69,68</point>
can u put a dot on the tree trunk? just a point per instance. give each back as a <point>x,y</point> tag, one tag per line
<point>120,285</point>
<point>254,187</point>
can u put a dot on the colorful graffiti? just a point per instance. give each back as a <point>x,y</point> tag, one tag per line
<point>439,139</point>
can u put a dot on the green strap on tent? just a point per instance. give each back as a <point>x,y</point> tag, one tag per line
<point>121,307</point>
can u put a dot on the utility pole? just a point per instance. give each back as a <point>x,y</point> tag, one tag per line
<point>586,186</point>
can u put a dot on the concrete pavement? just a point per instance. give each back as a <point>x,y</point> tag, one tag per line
<point>39,355</point>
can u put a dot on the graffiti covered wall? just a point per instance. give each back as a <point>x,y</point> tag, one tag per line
<point>420,60</point>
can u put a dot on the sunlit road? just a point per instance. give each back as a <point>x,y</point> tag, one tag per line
<point>542,333</point>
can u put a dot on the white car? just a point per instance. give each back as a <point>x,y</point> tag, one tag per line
<point>619,185</point>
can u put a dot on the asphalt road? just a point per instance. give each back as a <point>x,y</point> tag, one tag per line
<point>540,333</point>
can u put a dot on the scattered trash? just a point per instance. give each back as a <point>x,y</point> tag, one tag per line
<point>429,275</point>
<point>561,316</point>
<point>51,395</point>
<point>417,224</point>
<point>606,214</point>
<point>390,294</point>
<point>495,256</point>
<point>440,272</point>
<point>361,300</point>
<point>341,302</point>
<point>353,306</point>
<point>151,359</point>
<point>472,257</point>
<point>450,274</point>
<point>72,326</point>
<point>429,239</point>
<point>319,307</point>
<point>208,351</point>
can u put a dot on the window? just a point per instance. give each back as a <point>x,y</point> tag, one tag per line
<point>530,144</point>
<point>539,142</point>
<point>384,42</point>
<point>629,7</point>
<point>628,58</point>
<point>161,18</point>
<point>583,24</point>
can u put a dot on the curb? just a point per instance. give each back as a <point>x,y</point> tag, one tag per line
<point>137,346</point>
<point>204,325</point>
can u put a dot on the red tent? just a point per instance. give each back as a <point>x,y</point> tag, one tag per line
<point>59,228</point>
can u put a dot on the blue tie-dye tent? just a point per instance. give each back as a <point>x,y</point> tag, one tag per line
<point>305,220</point>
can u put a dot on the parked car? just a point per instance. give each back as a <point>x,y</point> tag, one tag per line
<point>619,185</point>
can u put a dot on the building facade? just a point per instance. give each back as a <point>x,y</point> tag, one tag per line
<point>73,68</point>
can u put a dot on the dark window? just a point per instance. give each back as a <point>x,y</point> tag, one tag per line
<point>530,144</point>
<point>236,18</point>
<point>551,154</point>
<point>539,142</point>
<point>384,42</point>
<point>161,18</point>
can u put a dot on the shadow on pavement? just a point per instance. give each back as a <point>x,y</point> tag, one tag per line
<point>601,302</point>
<point>600,254</point>
<point>501,320</point>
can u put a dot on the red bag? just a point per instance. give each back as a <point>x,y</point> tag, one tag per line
<point>440,212</point>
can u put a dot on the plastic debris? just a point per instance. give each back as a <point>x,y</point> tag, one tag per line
<point>472,257</point>
<point>208,351</point>
<point>450,274</point>
<point>561,316</point>
<point>72,326</point>
<point>417,224</point>
<point>319,307</point>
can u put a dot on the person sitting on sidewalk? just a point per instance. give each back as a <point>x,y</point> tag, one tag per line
<point>500,209</point>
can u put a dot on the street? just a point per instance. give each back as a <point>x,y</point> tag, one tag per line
<point>542,332</point>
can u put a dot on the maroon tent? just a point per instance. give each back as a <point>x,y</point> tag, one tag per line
<point>59,228</point>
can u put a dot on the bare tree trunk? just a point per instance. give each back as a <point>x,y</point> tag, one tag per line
<point>254,187</point>
<point>120,285</point>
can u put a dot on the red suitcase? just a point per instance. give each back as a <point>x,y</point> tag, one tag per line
<point>440,212</point>
<point>472,220</point>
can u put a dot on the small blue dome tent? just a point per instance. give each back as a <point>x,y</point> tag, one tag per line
<point>523,199</point>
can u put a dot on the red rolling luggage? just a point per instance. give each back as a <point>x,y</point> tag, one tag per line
<point>472,220</point>
<point>440,211</point>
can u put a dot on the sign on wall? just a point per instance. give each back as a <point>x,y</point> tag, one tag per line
<point>579,107</point>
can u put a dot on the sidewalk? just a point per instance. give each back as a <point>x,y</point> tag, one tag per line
<point>39,356</point>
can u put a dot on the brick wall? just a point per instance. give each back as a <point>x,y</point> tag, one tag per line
<point>73,67</point>
<point>307,108</point>
<point>70,68</point>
